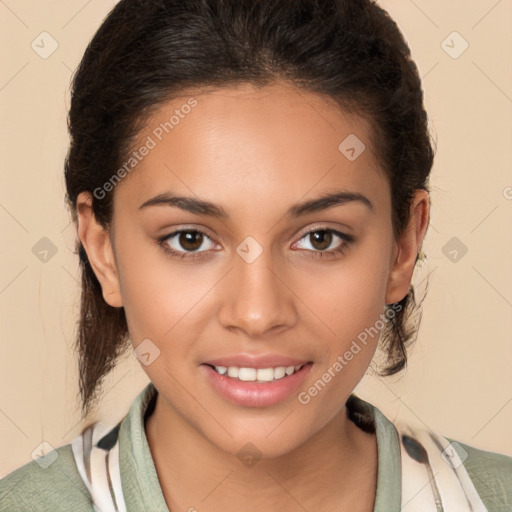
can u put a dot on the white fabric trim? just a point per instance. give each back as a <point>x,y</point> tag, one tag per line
<point>100,472</point>
<point>441,483</point>
<point>115,473</point>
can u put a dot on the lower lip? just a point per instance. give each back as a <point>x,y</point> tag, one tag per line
<point>256,394</point>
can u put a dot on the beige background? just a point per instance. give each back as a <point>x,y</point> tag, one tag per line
<point>459,380</point>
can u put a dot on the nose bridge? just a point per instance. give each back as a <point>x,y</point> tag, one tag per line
<point>256,299</point>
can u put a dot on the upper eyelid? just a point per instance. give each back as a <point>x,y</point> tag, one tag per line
<point>322,227</point>
<point>306,231</point>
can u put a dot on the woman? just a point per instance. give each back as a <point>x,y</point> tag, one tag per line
<point>249,181</point>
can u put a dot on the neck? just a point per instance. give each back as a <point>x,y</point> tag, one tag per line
<point>335,469</point>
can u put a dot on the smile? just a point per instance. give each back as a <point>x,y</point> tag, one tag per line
<point>257,374</point>
<point>256,387</point>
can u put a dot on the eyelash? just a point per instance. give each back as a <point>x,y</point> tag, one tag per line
<point>194,256</point>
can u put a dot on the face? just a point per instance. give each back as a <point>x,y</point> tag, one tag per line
<point>252,271</point>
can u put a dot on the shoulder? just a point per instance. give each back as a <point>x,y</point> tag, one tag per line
<point>491,474</point>
<point>49,483</point>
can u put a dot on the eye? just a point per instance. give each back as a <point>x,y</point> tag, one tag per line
<point>185,243</point>
<point>321,239</point>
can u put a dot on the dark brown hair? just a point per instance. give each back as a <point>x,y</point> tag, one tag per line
<point>148,51</point>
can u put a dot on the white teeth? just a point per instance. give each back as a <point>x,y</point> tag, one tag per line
<point>247,374</point>
<point>266,374</point>
<point>257,375</point>
<point>233,372</point>
<point>279,372</point>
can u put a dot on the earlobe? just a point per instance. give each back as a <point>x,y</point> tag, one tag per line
<point>98,246</point>
<point>408,247</point>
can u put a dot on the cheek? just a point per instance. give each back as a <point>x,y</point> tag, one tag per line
<point>350,295</point>
<point>160,295</point>
<point>350,307</point>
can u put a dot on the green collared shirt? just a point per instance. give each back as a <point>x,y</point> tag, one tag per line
<point>60,487</point>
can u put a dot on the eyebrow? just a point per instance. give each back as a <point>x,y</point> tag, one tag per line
<point>202,207</point>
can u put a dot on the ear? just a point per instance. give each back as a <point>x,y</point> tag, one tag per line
<point>408,248</point>
<point>97,244</point>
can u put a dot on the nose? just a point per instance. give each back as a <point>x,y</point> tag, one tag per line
<point>256,298</point>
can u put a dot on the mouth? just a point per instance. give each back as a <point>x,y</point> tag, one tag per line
<point>252,386</point>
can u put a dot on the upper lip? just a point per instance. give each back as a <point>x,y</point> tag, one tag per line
<point>255,361</point>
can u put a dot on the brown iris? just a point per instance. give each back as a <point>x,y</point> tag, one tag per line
<point>190,240</point>
<point>322,237</point>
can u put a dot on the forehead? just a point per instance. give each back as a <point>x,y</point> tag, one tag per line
<point>242,145</point>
